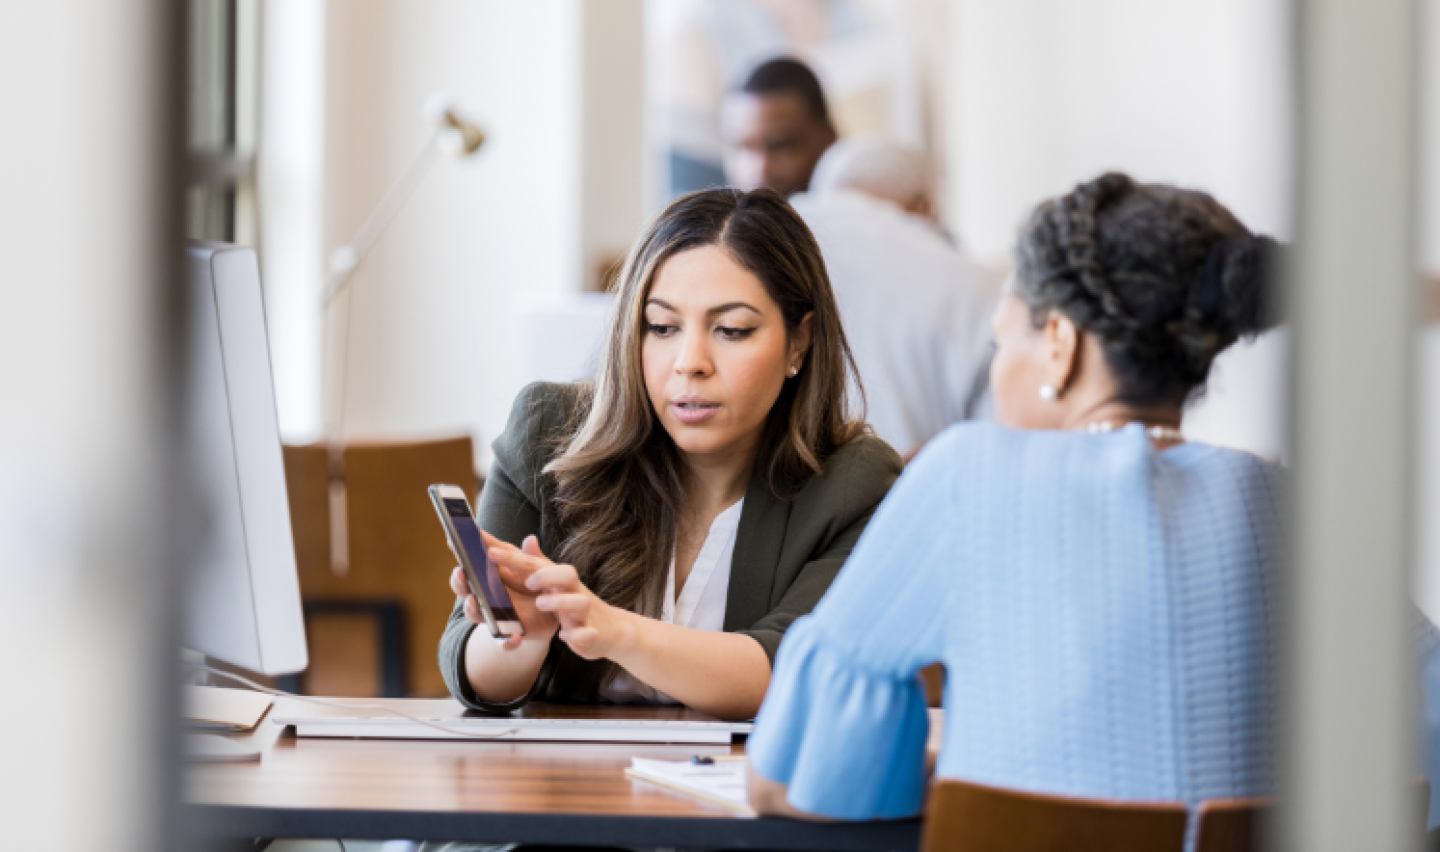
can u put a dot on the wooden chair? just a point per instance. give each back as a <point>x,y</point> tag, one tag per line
<point>1237,825</point>
<point>934,678</point>
<point>963,817</point>
<point>1231,825</point>
<point>374,616</point>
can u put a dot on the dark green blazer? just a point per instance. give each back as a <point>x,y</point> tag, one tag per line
<point>786,551</point>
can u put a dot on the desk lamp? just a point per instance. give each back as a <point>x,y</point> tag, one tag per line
<point>451,135</point>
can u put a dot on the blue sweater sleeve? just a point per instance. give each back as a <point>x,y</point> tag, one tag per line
<point>844,723</point>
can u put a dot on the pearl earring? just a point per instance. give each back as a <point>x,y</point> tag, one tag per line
<point>794,371</point>
<point>1048,392</point>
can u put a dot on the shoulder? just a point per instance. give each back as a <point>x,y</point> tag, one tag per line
<point>542,405</point>
<point>1005,459</point>
<point>855,479</point>
<point>539,419</point>
<point>1252,477</point>
<point>862,240</point>
<point>1202,457</point>
<point>976,440</point>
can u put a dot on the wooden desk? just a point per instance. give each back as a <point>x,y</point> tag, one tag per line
<point>546,793</point>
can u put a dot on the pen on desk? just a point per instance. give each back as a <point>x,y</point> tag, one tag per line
<point>707,760</point>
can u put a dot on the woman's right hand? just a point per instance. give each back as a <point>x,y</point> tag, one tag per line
<point>537,624</point>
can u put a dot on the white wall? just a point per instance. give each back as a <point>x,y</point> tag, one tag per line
<point>1042,94</point>
<point>613,165</point>
<point>430,347</point>
<point>1049,93</point>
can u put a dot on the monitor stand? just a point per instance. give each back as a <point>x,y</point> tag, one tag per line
<point>213,748</point>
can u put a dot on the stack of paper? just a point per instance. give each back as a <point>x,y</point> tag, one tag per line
<point>721,783</point>
<point>213,708</point>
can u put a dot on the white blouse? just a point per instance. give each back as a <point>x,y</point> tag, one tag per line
<point>700,605</point>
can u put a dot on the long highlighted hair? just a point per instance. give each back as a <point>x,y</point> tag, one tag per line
<point>618,475</point>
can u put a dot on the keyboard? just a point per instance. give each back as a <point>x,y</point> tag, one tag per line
<point>519,729</point>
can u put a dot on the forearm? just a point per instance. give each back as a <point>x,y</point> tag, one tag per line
<point>723,674</point>
<point>498,675</point>
<point>770,798</point>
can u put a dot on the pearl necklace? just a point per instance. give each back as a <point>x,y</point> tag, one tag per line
<point>1156,433</point>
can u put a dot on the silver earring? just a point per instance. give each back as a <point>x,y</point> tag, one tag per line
<point>794,371</point>
<point>1047,392</point>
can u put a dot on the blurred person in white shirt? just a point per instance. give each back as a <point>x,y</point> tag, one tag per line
<point>916,309</point>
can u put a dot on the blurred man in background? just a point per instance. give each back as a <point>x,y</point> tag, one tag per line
<point>776,127</point>
<point>916,309</point>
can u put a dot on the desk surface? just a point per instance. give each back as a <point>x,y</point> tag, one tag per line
<point>548,793</point>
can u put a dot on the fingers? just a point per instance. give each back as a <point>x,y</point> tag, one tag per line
<point>553,577</point>
<point>497,548</point>
<point>579,637</point>
<point>574,606</point>
<point>458,585</point>
<point>472,610</point>
<point>514,580</point>
<point>509,556</point>
<point>529,547</point>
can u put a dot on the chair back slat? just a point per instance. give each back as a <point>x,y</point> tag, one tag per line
<point>963,817</point>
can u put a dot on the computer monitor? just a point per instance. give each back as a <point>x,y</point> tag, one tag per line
<point>243,603</point>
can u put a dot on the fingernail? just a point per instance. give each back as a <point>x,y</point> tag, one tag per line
<point>532,582</point>
<point>542,602</point>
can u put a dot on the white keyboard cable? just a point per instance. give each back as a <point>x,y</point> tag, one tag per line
<point>280,693</point>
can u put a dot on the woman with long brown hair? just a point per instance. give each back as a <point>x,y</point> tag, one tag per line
<point>697,497</point>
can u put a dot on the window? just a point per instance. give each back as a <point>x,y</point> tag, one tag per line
<point>222,105</point>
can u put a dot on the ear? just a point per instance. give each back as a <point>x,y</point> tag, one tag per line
<point>800,340</point>
<point>1062,341</point>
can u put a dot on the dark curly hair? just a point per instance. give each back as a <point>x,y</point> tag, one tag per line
<point>1165,278</point>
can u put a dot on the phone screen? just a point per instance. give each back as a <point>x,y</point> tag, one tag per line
<point>468,535</point>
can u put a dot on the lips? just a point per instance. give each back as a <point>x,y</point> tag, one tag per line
<point>693,409</point>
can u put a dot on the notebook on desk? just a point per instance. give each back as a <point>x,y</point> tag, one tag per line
<point>440,719</point>
<point>224,710</point>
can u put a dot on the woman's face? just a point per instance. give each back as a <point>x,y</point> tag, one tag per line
<point>715,352</point>
<point>1023,362</point>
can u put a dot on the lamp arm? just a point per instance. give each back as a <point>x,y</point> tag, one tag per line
<point>346,259</point>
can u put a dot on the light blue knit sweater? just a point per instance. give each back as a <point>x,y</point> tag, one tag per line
<point>1106,614</point>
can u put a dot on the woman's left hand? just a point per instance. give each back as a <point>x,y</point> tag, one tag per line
<point>592,628</point>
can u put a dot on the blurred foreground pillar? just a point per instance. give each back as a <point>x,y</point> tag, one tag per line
<point>1347,729</point>
<point>88,141</point>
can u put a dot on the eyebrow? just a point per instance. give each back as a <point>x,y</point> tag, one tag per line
<point>718,309</point>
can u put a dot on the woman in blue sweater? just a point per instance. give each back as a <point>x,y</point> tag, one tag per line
<point>1101,593</point>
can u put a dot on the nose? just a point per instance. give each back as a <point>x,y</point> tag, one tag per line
<point>693,359</point>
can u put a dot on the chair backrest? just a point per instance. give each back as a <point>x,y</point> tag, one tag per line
<point>963,817</point>
<point>1238,825</point>
<point>934,678</point>
<point>1231,825</point>
<point>396,550</point>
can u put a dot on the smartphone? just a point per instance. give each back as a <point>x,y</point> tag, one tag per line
<point>481,575</point>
